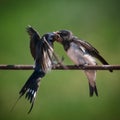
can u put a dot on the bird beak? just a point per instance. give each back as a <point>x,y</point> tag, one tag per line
<point>58,38</point>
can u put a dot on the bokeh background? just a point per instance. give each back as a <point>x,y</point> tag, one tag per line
<point>63,95</point>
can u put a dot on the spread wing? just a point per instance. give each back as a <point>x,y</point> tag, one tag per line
<point>34,39</point>
<point>90,49</point>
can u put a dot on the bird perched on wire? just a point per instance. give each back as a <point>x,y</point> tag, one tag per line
<point>81,53</point>
<point>42,51</point>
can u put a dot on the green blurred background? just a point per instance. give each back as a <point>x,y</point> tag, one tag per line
<point>63,95</point>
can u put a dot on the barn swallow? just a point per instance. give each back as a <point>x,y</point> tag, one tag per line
<point>81,53</point>
<point>42,51</point>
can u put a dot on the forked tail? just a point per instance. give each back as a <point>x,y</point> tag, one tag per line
<point>30,88</point>
<point>93,90</point>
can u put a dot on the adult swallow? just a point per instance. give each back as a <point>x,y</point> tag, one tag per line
<point>42,51</point>
<point>81,53</point>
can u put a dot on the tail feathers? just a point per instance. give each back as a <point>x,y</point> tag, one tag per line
<point>93,90</point>
<point>31,86</point>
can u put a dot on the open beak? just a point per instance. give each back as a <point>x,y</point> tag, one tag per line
<point>57,37</point>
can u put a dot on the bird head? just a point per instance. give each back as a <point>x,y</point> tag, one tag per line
<point>63,35</point>
<point>49,37</point>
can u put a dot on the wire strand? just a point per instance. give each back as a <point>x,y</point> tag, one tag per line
<point>58,67</point>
